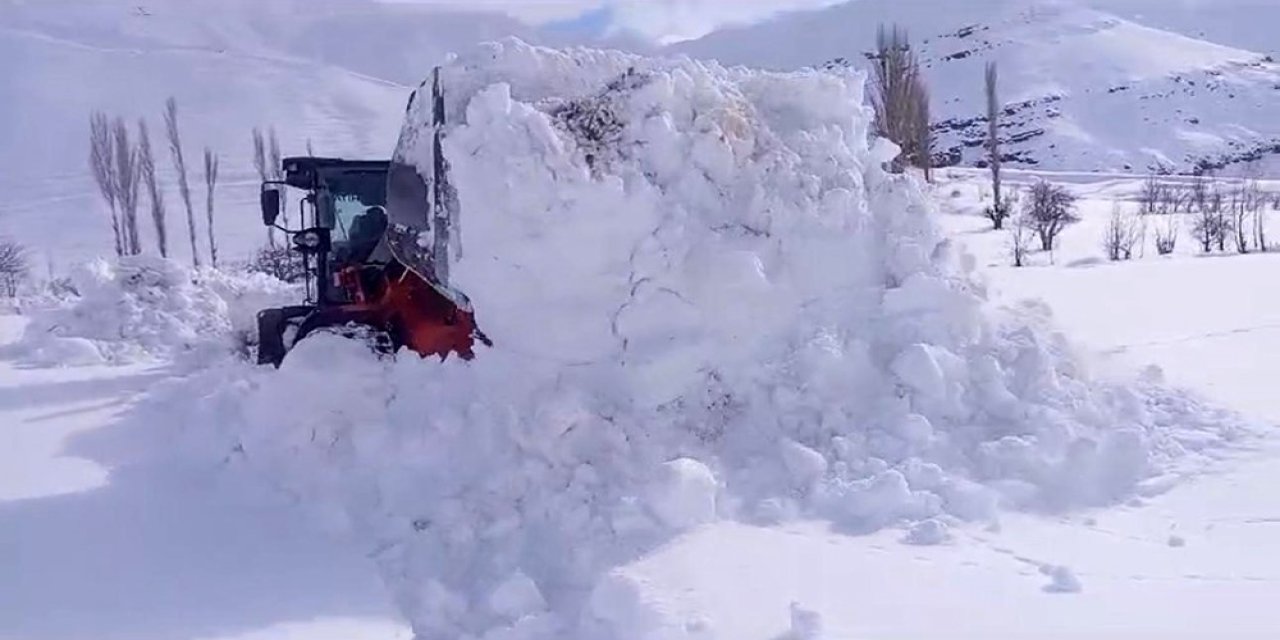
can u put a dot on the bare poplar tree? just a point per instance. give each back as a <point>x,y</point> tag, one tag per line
<point>180,165</point>
<point>103,166</point>
<point>901,100</point>
<point>999,210</point>
<point>147,164</point>
<point>210,183</point>
<point>128,177</point>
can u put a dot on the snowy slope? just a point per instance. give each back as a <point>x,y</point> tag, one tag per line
<point>314,70</point>
<point>1084,88</point>
<point>1245,24</point>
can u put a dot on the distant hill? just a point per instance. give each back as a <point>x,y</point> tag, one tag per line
<point>1085,85</point>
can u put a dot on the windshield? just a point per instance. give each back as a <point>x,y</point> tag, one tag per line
<point>352,194</point>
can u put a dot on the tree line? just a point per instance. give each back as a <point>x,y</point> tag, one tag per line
<point>121,166</point>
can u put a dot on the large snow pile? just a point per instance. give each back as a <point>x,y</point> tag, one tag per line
<point>144,307</point>
<point>707,300</point>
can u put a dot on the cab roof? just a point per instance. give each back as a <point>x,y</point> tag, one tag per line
<point>304,172</point>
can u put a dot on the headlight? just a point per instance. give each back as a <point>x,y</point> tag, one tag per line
<point>308,239</point>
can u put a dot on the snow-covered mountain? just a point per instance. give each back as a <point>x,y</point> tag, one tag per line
<point>1087,84</point>
<point>322,71</point>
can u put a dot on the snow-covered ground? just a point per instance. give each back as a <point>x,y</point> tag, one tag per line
<point>766,394</point>
<point>110,547</point>
<point>97,544</point>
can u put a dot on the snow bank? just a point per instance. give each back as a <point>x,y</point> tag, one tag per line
<point>708,300</point>
<point>145,307</point>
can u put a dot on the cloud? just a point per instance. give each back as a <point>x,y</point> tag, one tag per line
<point>659,20</point>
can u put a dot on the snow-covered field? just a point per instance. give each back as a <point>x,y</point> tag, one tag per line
<point>773,392</point>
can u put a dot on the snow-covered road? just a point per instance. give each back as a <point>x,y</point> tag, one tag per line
<point>96,546</point>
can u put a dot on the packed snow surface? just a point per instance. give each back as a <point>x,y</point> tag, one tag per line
<point>708,301</point>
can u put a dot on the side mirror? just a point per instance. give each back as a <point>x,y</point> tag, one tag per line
<point>270,200</point>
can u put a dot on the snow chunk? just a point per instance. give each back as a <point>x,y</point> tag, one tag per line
<point>805,465</point>
<point>684,494</point>
<point>1061,580</point>
<point>517,597</point>
<point>928,533</point>
<point>805,624</point>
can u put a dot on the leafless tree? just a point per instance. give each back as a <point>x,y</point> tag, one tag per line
<point>1167,235</point>
<point>147,163</point>
<point>1021,234</point>
<point>180,165</point>
<point>14,266</point>
<point>1123,233</point>
<point>103,166</point>
<point>277,262</point>
<point>1239,208</point>
<point>1200,187</point>
<point>1208,222</point>
<point>1252,219</point>
<point>1049,208</point>
<point>1151,195</point>
<point>1258,222</point>
<point>128,178</point>
<point>210,183</point>
<point>901,100</point>
<point>1223,222</point>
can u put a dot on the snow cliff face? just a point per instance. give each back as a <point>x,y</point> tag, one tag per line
<point>1082,87</point>
<point>707,300</point>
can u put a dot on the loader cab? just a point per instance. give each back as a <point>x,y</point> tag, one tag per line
<point>339,220</point>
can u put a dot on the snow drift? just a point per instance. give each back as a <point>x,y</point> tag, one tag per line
<point>708,300</point>
<point>144,307</point>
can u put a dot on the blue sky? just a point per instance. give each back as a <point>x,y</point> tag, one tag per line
<point>661,20</point>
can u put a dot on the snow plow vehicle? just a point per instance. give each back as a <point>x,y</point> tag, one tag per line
<point>373,240</point>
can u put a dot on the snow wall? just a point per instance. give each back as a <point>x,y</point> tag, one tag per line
<point>708,300</point>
